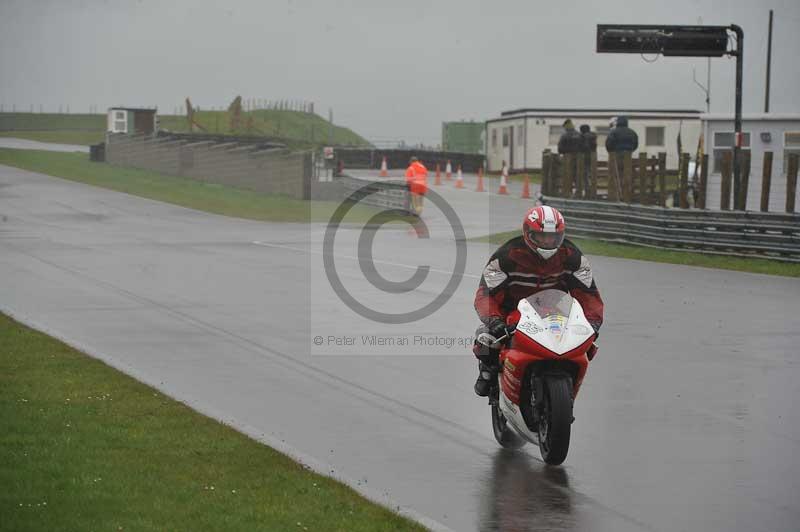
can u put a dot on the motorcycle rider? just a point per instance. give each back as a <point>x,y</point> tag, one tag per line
<point>541,258</point>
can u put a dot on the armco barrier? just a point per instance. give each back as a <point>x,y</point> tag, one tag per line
<point>384,194</point>
<point>766,235</point>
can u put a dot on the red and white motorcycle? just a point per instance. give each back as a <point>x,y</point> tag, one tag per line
<point>542,368</point>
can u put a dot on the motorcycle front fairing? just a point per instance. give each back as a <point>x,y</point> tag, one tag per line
<point>560,334</point>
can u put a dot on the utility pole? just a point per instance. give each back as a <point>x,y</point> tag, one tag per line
<point>769,63</point>
<point>708,84</point>
<point>737,121</point>
<point>330,127</point>
<point>707,88</point>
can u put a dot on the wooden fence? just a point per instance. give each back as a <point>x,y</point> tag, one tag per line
<point>644,179</point>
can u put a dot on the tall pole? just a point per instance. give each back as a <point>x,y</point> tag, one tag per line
<point>330,127</point>
<point>769,63</point>
<point>707,88</point>
<point>737,122</point>
<point>708,85</point>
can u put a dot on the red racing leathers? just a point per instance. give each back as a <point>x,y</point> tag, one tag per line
<point>514,272</point>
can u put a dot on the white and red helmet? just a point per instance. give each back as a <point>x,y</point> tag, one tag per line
<point>543,230</point>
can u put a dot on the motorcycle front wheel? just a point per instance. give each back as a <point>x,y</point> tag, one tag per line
<point>555,421</point>
<point>504,434</point>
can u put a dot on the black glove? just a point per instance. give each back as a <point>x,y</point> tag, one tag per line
<point>497,327</point>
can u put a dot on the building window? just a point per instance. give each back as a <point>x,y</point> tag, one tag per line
<point>494,138</point>
<point>723,141</point>
<point>791,144</point>
<point>654,136</point>
<point>120,122</point>
<point>602,134</point>
<point>555,134</point>
<point>505,137</point>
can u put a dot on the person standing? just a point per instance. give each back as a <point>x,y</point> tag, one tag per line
<point>622,138</point>
<point>620,141</point>
<point>588,146</point>
<point>417,181</point>
<point>570,143</point>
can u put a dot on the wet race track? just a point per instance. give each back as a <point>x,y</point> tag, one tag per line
<point>685,420</point>
<point>25,144</point>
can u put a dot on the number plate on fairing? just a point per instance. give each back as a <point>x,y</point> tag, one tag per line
<point>554,320</point>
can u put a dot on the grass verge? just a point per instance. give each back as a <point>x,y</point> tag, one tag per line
<point>217,199</point>
<point>626,251</point>
<point>86,447</point>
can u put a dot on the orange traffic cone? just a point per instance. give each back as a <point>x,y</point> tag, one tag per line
<point>438,175</point>
<point>384,168</point>
<point>448,171</point>
<point>503,180</point>
<point>459,178</point>
<point>480,188</point>
<point>526,188</point>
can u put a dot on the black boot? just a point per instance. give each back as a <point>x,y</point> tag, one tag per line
<point>486,376</point>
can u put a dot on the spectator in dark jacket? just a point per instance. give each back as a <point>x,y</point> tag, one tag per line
<point>622,138</point>
<point>570,141</point>
<point>588,147</point>
<point>589,139</point>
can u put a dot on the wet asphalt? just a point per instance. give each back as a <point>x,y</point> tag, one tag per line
<point>25,144</point>
<point>686,420</point>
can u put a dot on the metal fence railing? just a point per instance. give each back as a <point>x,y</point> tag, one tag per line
<point>740,233</point>
<point>384,194</point>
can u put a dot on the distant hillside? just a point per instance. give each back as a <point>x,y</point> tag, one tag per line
<point>288,125</point>
<point>296,128</point>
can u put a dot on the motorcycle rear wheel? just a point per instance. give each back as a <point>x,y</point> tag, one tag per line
<point>504,434</point>
<point>556,421</point>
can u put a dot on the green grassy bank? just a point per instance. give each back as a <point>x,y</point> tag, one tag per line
<point>85,447</point>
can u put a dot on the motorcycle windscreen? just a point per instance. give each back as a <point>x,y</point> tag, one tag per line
<point>553,319</point>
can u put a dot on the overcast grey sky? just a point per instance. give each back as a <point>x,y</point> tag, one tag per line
<point>389,70</point>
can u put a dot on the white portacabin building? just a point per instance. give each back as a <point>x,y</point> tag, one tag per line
<point>520,136</point>
<point>775,132</point>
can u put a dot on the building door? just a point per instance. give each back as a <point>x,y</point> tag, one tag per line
<point>143,122</point>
